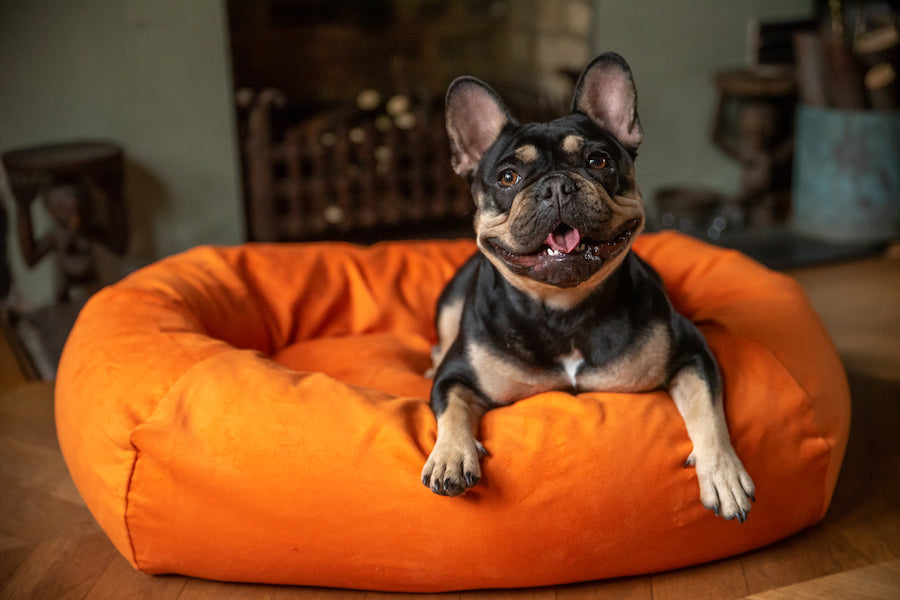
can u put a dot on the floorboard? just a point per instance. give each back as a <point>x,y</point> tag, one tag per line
<point>721,579</point>
<point>878,582</point>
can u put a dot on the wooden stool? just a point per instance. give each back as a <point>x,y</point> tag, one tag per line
<point>81,187</point>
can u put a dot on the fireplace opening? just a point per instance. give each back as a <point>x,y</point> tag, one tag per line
<point>340,105</point>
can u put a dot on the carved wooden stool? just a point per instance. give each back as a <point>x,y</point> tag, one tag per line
<point>81,186</point>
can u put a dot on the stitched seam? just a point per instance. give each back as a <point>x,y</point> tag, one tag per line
<point>137,452</point>
<point>128,490</point>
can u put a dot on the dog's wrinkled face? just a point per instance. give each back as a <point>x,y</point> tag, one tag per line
<point>557,201</point>
<point>557,204</point>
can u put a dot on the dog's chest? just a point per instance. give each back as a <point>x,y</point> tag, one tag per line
<point>641,367</point>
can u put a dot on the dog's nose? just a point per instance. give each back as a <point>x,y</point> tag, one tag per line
<point>556,186</point>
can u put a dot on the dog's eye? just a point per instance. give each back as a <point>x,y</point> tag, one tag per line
<point>508,178</point>
<point>597,160</point>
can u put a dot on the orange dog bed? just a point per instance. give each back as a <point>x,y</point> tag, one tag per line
<point>258,413</point>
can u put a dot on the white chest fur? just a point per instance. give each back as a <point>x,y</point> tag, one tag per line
<point>571,363</point>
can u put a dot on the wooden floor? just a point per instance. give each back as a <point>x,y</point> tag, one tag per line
<point>50,547</point>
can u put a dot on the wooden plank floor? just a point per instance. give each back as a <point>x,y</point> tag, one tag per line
<point>50,547</point>
<point>868,583</point>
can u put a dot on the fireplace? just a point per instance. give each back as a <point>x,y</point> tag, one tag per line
<point>340,105</point>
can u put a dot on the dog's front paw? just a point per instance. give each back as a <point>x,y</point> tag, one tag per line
<point>725,486</point>
<point>453,468</point>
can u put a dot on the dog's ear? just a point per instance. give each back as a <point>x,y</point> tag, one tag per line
<point>475,117</point>
<point>605,92</point>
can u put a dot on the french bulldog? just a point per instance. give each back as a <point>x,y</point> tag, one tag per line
<point>555,299</point>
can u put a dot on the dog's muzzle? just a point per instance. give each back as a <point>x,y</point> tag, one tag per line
<point>567,257</point>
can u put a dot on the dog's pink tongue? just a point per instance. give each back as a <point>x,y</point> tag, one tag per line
<point>564,241</point>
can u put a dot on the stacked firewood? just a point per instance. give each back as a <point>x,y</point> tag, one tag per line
<point>852,63</point>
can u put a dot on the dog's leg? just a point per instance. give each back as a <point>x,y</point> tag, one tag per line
<point>453,467</point>
<point>725,486</point>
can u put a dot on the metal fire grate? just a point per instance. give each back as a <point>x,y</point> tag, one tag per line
<point>346,172</point>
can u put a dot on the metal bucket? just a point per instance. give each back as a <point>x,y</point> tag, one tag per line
<point>846,180</point>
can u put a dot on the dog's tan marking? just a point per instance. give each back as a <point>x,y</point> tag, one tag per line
<point>452,467</point>
<point>493,221</point>
<point>640,369</point>
<point>573,144</point>
<point>447,330</point>
<point>448,322</point>
<point>523,207</point>
<point>725,485</point>
<point>504,380</point>
<point>527,153</point>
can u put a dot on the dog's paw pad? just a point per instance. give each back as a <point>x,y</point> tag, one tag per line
<point>451,470</point>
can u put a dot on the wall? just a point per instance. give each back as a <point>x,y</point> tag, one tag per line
<point>152,75</point>
<point>674,49</point>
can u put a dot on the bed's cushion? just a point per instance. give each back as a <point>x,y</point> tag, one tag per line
<point>258,413</point>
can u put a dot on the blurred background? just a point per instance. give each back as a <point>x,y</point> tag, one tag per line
<point>132,130</point>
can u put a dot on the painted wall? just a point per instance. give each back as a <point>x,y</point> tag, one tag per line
<point>674,49</point>
<point>152,75</point>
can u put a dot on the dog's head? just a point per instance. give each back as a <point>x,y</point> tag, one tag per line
<point>557,207</point>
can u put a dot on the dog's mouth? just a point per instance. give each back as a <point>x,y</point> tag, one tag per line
<point>567,257</point>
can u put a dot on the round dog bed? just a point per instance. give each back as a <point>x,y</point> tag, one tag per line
<point>258,413</point>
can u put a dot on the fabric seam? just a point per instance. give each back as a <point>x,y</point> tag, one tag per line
<point>128,489</point>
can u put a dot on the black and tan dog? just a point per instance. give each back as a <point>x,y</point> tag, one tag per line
<point>555,299</point>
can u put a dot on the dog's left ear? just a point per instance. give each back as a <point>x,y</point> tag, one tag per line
<point>605,92</point>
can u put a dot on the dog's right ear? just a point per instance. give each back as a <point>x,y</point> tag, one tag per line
<point>475,117</point>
